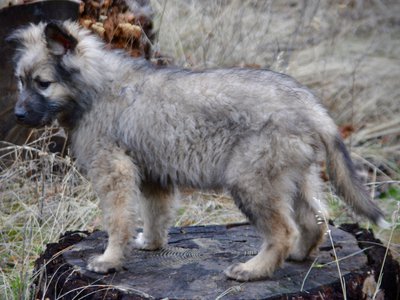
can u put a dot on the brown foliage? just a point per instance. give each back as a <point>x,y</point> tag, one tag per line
<point>118,25</point>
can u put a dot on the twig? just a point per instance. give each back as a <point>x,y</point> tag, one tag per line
<point>342,281</point>
<point>394,220</point>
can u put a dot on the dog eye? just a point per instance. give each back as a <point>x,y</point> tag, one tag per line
<point>43,84</point>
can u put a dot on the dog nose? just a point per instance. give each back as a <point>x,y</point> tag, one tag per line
<point>20,113</point>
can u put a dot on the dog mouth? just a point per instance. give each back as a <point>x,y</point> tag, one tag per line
<point>34,110</point>
<point>33,122</point>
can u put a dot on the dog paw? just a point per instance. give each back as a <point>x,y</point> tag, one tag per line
<point>144,244</point>
<point>239,272</point>
<point>297,257</point>
<point>100,264</point>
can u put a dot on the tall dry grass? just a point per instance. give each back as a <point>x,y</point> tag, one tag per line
<point>346,51</point>
<point>42,195</point>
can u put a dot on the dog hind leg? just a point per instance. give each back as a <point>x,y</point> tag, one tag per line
<point>307,206</point>
<point>268,208</point>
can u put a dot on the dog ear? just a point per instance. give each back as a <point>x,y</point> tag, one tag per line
<point>58,40</point>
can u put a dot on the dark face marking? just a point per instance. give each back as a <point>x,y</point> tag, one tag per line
<point>65,75</point>
<point>33,110</point>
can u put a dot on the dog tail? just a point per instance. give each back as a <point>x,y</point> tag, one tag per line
<point>348,186</point>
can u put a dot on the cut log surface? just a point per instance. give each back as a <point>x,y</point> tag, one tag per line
<point>192,265</point>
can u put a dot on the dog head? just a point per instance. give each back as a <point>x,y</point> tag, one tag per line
<point>47,65</point>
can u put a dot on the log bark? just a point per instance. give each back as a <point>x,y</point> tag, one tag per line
<point>191,267</point>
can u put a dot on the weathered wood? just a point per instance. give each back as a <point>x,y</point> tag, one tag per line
<point>191,267</point>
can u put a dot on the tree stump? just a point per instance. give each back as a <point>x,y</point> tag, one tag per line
<point>191,267</point>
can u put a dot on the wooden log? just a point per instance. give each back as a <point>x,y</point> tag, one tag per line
<point>191,267</point>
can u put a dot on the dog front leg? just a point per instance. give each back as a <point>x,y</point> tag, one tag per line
<point>115,180</point>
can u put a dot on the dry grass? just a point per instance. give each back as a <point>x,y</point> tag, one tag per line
<point>346,51</point>
<point>42,195</point>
